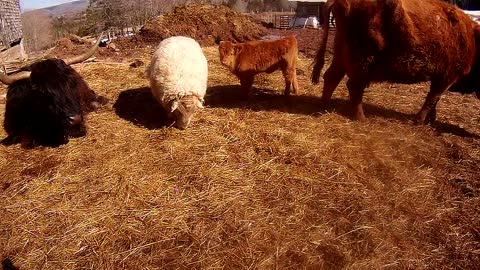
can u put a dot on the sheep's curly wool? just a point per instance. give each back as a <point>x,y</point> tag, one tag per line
<point>178,69</point>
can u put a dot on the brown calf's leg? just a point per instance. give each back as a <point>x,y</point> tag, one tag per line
<point>295,82</point>
<point>356,89</point>
<point>289,75</point>
<point>331,79</point>
<point>428,110</point>
<point>246,82</point>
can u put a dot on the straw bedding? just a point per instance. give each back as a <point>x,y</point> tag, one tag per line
<point>265,183</point>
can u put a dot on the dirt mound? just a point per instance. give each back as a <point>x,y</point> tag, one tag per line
<point>66,47</point>
<point>208,24</point>
<point>65,44</point>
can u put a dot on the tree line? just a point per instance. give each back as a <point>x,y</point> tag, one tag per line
<point>40,30</point>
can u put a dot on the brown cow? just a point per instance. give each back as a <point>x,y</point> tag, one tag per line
<point>245,60</point>
<point>400,41</point>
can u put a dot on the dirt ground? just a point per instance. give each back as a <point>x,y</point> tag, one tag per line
<point>259,183</point>
<point>308,39</point>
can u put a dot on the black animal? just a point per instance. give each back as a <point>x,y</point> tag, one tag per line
<point>45,105</point>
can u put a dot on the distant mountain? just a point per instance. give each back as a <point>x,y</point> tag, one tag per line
<point>66,9</point>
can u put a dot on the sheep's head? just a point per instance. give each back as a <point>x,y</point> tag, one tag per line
<point>182,110</point>
<point>227,52</point>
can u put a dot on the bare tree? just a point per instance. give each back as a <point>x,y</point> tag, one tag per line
<point>37,30</point>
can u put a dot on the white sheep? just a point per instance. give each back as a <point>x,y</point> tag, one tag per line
<point>178,78</point>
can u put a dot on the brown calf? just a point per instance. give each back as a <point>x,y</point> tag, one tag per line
<point>245,60</point>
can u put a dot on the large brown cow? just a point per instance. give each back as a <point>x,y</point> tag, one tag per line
<point>245,60</point>
<point>400,41</point>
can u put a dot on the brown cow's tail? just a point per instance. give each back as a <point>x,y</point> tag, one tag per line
<point>476,64</point>
<point>320,57</point>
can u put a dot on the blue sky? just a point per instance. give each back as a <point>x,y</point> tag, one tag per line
<point>34,4</point>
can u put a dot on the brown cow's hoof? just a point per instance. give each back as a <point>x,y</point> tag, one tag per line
<point>419,121</point>
<point>360,118</point>
<point>358,115</point>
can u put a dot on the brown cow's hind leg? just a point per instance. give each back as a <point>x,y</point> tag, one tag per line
<point>332,78</point>
<point>356,89</point>
<point>428,110</point>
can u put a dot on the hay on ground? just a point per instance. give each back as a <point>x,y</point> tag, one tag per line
<point>264,183</point>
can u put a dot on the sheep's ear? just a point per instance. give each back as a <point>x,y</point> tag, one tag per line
<point>199,104</point>
<point>174,106</point>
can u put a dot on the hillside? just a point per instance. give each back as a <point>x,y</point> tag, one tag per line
<point>65,9</point>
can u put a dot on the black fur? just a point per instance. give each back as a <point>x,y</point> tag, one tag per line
<point>7,264</point>
<point>39,110</point>
<point>470,83</point>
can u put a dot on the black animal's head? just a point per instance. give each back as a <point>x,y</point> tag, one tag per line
<point>471,83</point>
<point>53,77</point>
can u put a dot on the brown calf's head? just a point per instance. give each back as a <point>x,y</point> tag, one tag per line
<point>182,110</point>
<point>227,52</point>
